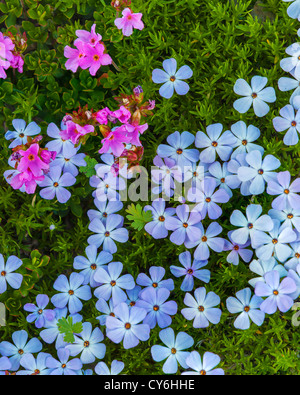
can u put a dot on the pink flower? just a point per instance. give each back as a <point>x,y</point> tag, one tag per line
<point>129,21</point>
<point>114,142</point>
<point>31,160</point>
<point>102,116</point>
<point>95,58</point>
<point>134,133</point>
<point>123,115</point>
<point>75,56</point>
<point>74,131</point>
<point>6,56</point>
<point>91,38</point>
<point>17,63</point>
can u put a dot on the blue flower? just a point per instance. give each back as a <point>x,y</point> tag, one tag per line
<point>5,365</point>
<point>177,149</point>
<point>214,142</point>
<point>104,209</point>
<point>21,132</point>
<point>34,367</point>
<point>252,224</point>
<point>262,267</point>
<point>38,313</point>
<point>237,251</point>
<point>287,191</point>
<point>115,369</point>
<point>220,174</point>
<point>107,187</point>
<point>88,344</point>
<point>172,79</point>
<point>286,84</point>
<point>275,244</point>
<point>288,120</point>
<point>62,366</point>
<point>71,291</point>
<point>205,368</point>
<point>54,185</point>
<point>294,260</point>
<point>51,332</point>
<point>164,176</point>
<point>90,264</point>
<point>201,308</point>
<point>248,306</point>
<point>233,180</point>
<point>19,348</point>
<point>190,270</point>
<point>106,308</point>
<point>133,295</point>
<point>292,63</point>
<point>108,233</point>
<point>245,137</point>
<point>157,308</point>
<point>7,274</point>
<point>157,227</point>
<point>259,171</point>
<point>112,284</point>
<point>156,279</point>
<point>278,294</point>
<point>126,326</point>
<point>289,217</point>
<point>69,163</point>
<point>173,353</point>
<point>293,10</point>
<point>295,275</point>
<point>256,95</point>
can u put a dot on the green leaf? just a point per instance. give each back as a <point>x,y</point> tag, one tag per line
<point>66,327</point>
<point>138,216</point>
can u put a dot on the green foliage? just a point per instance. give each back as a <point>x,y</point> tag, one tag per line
<point>66,327</point>
<point>221,41</point>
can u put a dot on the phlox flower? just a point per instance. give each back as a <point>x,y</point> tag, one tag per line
<point>248,306</point>
<point>7,275</point>
<point>115,141</point>
<point>75,132</point>
<point>190,270</point>
<point>293,10</point>
<point>88,344</point>
<point>6,55</point>
<point>126,326</point>
<point>112,283</point>
<point>134,132</point>
<point>214,142</point>
<point>220,174</point>
<point>193,175</point>
<point>174,351</point>
<point>5,365</point>
<point>129,21</point>
<point>107,234</point>
<point>70,163</point>
<point>158,309</point>
<point>21,132</point>
<point>34,366</point>
<point>95,58</point>
<point>253,224</point>
<point>286,84</point>
<point>104,209</point>
<point>294,259</point>
<point>172,79</point>
<point>261,267</point>
<point>106,188</point>
<point>288,120</point>
<point>164,175</point>
<point>156,279</point>
<point>178,149</point>
<point>62,366</point>
<point>115,369</point>
<point>201,308</point>
<point>278,294</point>
<point>58,144</point>
<point>287,191</point>
<point>51,332</point>
<point>274,244</point>
<point>106,308</point>
<point>86,37</point>
<point>31,160</point>
<point>183,225</point>
<point>54,185</point>
<point>207,198</point>
<point>89,265</point>
<point>156,228</point>
<point>295,275</point>
<point>255,94</point>
<point>75,56</point>
<point>207,241</point>
<point>39,314</point>
<point>259,171</point>
<point>288,217</point>
<point>233,180</point>
<point>244,138</point>
<point>70,292</point>
<point>237,251</point>
<point>19,348</point>
<point>205,368</point>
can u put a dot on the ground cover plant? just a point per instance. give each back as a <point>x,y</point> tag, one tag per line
<point>208,92</point>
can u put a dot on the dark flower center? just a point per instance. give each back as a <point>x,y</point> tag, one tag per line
<point>31,157</point>
<point>106,234</point>
<point>127,325</point>
<point>162,218</point>
<point>21,352</point>
<point>222,180</point>
<point>204,239</point>
<point>247,309</point>
<point>260,171</point>
<point>236,247</point>
<point>86,344</point>
<point>185,225</point>
<point>179,151</point>
<point>214,144</point>
<point>294,123</point>
<point>290,216</point>
<point>250,226</point>
<point>203,373</point>
<point>173,78</point>
<point>201,309</point>
<point>3,274</point>
<point>113,283</point>
<point>55,184</point>
<point>173,350</point>
<point>155,308</point>
<point>254,95</point>
<point>93,266</point>
<point>104,215</point>
<point>275,293</point>
<point>244,142</point>
<point>154,285</point>
<point>71,292</point>
<point>274,241</point>
<point>96,58</point>
<point>21,135</point>
<point>40,312</point>
<point>208,200</point>
<point>286,191</point>
<point>190,271</point>
<point>132,303</point>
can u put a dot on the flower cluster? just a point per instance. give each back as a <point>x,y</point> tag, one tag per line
<point>11,49</point>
